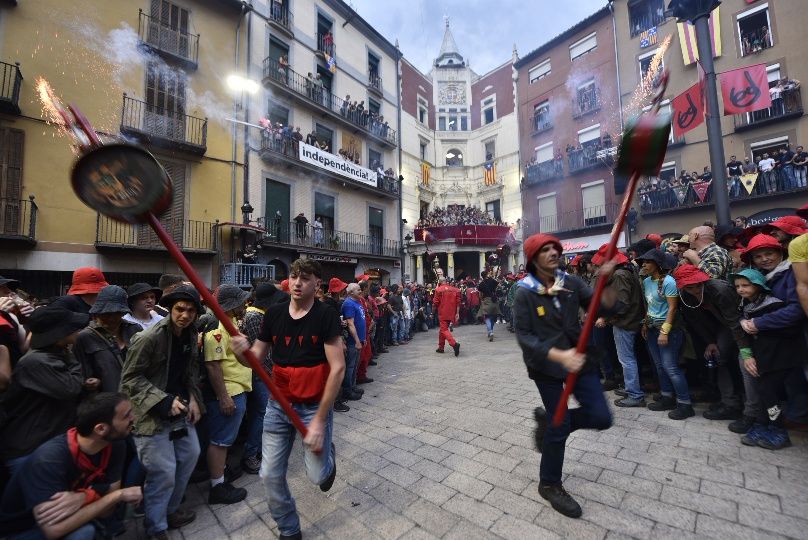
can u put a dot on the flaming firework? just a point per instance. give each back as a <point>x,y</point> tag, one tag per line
<point>55,113</point>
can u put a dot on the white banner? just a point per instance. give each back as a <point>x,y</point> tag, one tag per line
<point>337,165</point>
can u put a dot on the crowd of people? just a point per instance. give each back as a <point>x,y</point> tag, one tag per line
<point>457,215</point>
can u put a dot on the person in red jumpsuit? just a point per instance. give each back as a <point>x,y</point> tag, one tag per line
<point>447,304</point>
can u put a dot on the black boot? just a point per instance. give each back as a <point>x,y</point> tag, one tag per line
<point>541,427</point>
<point>560,500</point>
<point>667,403</point>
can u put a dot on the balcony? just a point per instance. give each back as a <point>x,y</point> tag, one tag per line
<point>573,221</point>
<point>541,123</point>
<point>787,107</point>
<point>169,42</point>
<point>325,44</point>
<point>281,18</point>
<point>296,235</point>
<point>190,236</point>
<point>297,86</point>
<point>587,102</point>
<point>545,171</point>
<point>18,221</point>
<point>243,274</point>
<point>582,159</point>
<point>162,128</point>
<point>673,199</point>
<point>644,15</point>
<point>10,88</point>
<point>375,84</point>
<point>277,145</point>
<point>464,235</point>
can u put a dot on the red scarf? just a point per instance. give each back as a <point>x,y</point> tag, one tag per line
<point>89,472</point>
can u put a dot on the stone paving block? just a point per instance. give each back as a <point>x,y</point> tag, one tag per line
<point>401,457</point>
<point>767,484</point>
<point>205,518</point>
<point>371,462</point>
<point>405,443</point>
<point>652,436</point>
<point>401,476</point>
<point>794,507</point>
<point>382,434</point>
<point>581,470</point>
<point>589,445</point>
<point>631,484</point>
<point>513,504</point>
<point>521,438</point>
<point>430,452</point>
<point>687,454</point>
<point>432,491</point>
<point>601,493</point>
<point>493,445</point>
<point>580,529</point>
<point>511,527</point>
<point>511,482</point>
<point>393,496</point>
<point>386,523</point>
<point>460,448</point>
<point>618,439</point>
<point>481,514</point>
<point>352,499</point>
<point>417,533</point>
<point>476,489</point>
<point>668,478</point>
<point>468,531</point>
<point>666,532</point>
<point>793,458</point>
<point>757,499</point>
<point>431,517</point>
<point>455,434</point>
<point>606,462</point>
<point>214,532</point>
<point>660,511</point>
<point>464,465</point>
<point>710,447</point>
<point>616,520</point>
<point>234,516</point>
<point>255,530</point>
<point>773,522</point>
<point>699,502</point>
<point>430,469</point>
<point>375,446</point>
<point>743,465</point>
<point>341,524</point>
<point>432,439</point>
<point>726,476</point>
<point>520,452</point>
<point>655,460</point>
<point>496,460</point>
<point>409,431</point>
<point>708,526</point>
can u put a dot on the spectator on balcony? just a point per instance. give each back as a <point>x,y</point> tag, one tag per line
<point>318,231</point>
<point>734,171</point>
<point>800,163</point>
<point>707,175</point>
<point>769,176</point>
<point>296,138</point>
<point>328,43</point>
<point>748,166</point>
<point>343,110</point>
<point>87,283</point>
<point>319,89</point>
<point>776,94</point>
<point>310,85</point>
<point>785,168</point>
<point>311,139</point>
<point>283,66</point>
<point>301,225</point>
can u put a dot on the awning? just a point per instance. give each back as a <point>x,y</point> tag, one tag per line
<point>242,226</point>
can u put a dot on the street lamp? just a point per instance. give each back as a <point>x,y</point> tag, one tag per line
<point>238,83</point>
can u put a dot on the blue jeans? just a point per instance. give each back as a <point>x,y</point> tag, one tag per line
<point>789,180</point>
<point>168,465</point>
<point>671,378</point>
<point>624,342</point>
<point>224,429</point>
<point>396,328</point>
<point>592,414</point>
<point>489,323</point>
<point>279,437</point>
<point>256,408</point>
<point>351,364</point>
<point>85,532</point>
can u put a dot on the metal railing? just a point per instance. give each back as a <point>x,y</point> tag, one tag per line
<point>375,82</point>
<point>788,105</point>
<point>279,13</point>
<point>18,218</point>
<point>10,86</point>
<point>587,101</point>
<point>314,92</point>
<point>325,43</point>
<point>541,122</point>
<point>242,274</point>
<point>164,38</point>
<point>544,171</point>
<point>188,234</point>
<point>644,15</point>
<point>573,220</point>
<point>155,121</point>
<point>305,235</point>
<point>583,158</point>
<point>278,142</point>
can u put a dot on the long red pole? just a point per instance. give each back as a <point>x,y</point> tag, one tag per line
<point>594,304</point>
<point>231,328</point>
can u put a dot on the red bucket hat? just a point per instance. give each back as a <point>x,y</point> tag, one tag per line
<point>362,277</point>
<point>793,225</point>
<point>87,280</point>
<point>575,260</point>
<point>802,211</point>
<point>336,285</point>
<point>687,274</point>
<point>534,243</point>
<point>600,257</point>
<point>655,238</point>
<point>761,241</point>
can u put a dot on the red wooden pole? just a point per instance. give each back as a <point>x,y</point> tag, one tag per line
<point>594,304</point>
<point>211,302</point>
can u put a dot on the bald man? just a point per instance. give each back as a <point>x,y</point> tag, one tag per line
<point>708,256</point>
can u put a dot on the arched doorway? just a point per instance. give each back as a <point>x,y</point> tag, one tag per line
<point>281,270</point>
<point>379,275</point>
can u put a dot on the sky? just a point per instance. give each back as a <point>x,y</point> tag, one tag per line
<point>485,32</point>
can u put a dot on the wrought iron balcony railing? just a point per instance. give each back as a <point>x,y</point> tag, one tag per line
<point>786,107</point>
<point>375,82</point>
<point>242,274</point>
<point>325,43</point>
<point>162,127</point>
<point>544,171</point>
<point>584,158</point>
<point>18,219</point>
<point>305,235</point>
<point>279,14</point>
<point>190,235</point>
<point>166,39</point>
<point>10,87</point>
<point>313,92</point>
<point>586,102</point>
<point>573,220</point>
<point>541,122</point>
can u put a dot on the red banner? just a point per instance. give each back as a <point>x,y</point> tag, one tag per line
<point>700,188</point>
<point>745,89</point>
<point>688,111</point>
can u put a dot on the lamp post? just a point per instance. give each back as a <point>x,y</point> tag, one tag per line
<point>698,12</point>
<point>241,86</point>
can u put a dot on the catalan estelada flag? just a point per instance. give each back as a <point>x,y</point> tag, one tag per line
<point>490,173</point>
<point>648,37</point>
<point>687,38</point>
<point>425,173</point>
<point>331,62</point>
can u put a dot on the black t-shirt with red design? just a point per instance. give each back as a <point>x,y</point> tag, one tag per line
<point>299,342</point>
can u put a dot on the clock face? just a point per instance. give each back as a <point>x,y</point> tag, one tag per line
<point>452,94</point>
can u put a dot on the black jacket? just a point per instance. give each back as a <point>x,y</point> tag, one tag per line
<point>718,310</point>
<point>778,348</point>
<point>99,354</point>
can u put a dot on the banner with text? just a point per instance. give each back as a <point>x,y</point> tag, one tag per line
<point>337,165</point>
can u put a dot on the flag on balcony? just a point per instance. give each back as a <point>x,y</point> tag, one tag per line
<point>681,193</point>
<point>700,188</point>
<point>490,174</point>
<point>425,173</point>
<point>749,181</point>
<point>688,110</point>
<point>648,37</point>
<point>330,62</point>
<point>687,38</point>
<point>745,89</point>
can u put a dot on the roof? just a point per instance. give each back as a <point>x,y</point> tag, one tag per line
<point>566,34</point>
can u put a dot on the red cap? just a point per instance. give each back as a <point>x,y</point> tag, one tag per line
<point>285,285</point>
<point>761,241</point>
<point>655,238</point>
<point>687,274</point>
<point>575,260</point>
<point>87,280</point>
<point>793,225</point>
<point>802,211</point>
<point>538,241</point>
<point>362,277</point>
<point>600,257</point>
<point>335,284</point>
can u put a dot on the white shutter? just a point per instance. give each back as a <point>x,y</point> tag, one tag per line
<point>539,71</point>
<point>594,197</point>
<point>548,213</point>
<point>589,134</point>
<point>583,45</point>
<point>773,72</point>
<point>544,153</point>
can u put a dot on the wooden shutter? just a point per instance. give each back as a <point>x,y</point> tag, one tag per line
<point>11,153</point>
<point>174,218</point>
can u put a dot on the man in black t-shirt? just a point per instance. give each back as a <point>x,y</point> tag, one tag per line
<point>308,367</point>
<point>73,478</point>
<point>786,169</point>
<point>734,171</point>
<point>800,163</point>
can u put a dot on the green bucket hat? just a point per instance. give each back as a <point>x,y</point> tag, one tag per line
<point>754,276</point>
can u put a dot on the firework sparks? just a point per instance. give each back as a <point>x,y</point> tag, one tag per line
<point>646,88</point>
<point>55,113</point>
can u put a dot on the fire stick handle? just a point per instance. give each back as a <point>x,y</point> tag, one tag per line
<point>594,303</point>
<point>211,302</point>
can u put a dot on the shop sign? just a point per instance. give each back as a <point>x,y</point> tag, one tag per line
<point>329,258</point>
<point>767,216</point>
<point>590,243</point>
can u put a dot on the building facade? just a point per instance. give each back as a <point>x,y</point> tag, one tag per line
<point>459,150</point>
<point>149,70</point>
<point>569,123</point>
<point>330,193</point>
<point>744,33</point>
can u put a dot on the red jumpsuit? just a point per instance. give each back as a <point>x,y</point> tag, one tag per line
<point>446,302</point>
<point>366,353</point>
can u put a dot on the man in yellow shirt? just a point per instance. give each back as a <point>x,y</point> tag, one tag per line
<point>798,255</point>
<point>230,381</point>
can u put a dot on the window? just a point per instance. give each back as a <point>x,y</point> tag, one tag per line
<point>769,146</point>
<point>539,72</point>
<point>374,77</point>
<point>583,46</point>
<point>489,110</point>
<point>277,113</point>
<point>544,152</point>
<point>423,148</point>
<point>277,49</point>
<point>548,212</point>
<point>668,171</point>
<point>492,209</point>
<point>165,102</point>
<point>454,158</point>
<point>11,154</point>
<point>324,209</point>
<point>374,106</point>
<point>541,116</point>
<point>324,135</point>
<point>464,123</point>
<point>376,229</point>
<point>490,149</point>
<point>423,111</point>
<point>645,64</point>
<point>170,16</point>
<point>754,30</point>
<point>586,98</point>
<point>442,123</point>
<point>594,203</point>
<point>645,14</point>
<point>375,159</point>
<point>325,36</point>
<point>424,210</point>
<point>589,136</point>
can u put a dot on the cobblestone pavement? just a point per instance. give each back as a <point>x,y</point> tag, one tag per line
<point>440,447</point>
